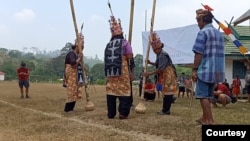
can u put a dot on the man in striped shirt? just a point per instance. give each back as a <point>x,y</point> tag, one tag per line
<point>209,62</point>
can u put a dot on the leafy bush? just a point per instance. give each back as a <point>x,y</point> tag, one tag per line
<point>100,82</point>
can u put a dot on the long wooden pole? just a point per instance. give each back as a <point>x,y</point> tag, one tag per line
<point>145,20</point>
<point>140,108</point>
<point>74,18</point>
<point>89,105</point>
<point>150,36</point>
<point>131,68</point>
<point>131,21</point>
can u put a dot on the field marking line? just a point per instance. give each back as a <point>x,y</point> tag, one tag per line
<point>146,137</point>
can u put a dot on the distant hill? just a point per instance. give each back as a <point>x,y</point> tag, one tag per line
<point>92,61</point>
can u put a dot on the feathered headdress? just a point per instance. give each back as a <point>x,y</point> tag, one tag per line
<point>115,26</point>
<point>155,40</point>
<point>81,38</point>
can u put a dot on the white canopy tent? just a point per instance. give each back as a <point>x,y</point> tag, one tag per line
<point>178,42</point>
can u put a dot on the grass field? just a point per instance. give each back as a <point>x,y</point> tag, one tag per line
<point>41,118</point>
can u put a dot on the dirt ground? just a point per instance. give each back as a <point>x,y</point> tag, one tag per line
<point>41,117</point>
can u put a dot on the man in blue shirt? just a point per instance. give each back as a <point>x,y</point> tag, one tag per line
<point>209,62</point>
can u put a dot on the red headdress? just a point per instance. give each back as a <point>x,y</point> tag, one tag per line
<point>155,41</point>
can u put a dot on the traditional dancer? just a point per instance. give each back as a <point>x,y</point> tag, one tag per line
<point>72,62</point>
<point>165,71</point>
<point>118,52</point>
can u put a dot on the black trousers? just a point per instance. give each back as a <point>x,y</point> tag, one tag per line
<point>131,96</point>
<point>123,107</point>
<point>167,102</point>
<point>69,106</point>
<point>140,89</point>
<point>149,96</point>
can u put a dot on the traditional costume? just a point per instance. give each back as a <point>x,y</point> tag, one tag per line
<point>117,54</point>
<point>167,74</point>
<point>73,78</point>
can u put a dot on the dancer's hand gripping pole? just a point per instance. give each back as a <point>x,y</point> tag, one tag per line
<point>89,106</point>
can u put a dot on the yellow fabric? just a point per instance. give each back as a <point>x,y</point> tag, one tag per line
<point>119,85</point>
<point>72,83</point>
<point>169,81</point>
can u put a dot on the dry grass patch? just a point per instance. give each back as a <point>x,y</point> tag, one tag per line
<point>42,118</point>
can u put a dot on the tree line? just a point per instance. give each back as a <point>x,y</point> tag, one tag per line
<point>50,67</point>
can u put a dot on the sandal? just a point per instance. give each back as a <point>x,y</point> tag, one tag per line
<point>123,117</point>
<point>199,121</point>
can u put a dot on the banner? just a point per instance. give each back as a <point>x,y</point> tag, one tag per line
<point>178,42</point>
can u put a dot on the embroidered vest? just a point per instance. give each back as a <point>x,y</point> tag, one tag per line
<point>113,58</point>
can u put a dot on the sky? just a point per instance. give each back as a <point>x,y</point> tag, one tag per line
<point>48,25</point>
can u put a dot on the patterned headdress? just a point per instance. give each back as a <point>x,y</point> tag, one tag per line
<point>115,26</point>
<point>155,41</point>
<point>81,38</point>
<point>201,13</point>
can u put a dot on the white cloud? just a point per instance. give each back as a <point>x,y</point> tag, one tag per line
<point>25,15</point>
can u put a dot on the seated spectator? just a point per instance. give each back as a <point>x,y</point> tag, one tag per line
<point>227,84</point>
<point>149,90</point>
<point>221,95</point>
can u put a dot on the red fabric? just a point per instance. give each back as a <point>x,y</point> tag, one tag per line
<point>24,76</point>
<point>236,86</point>
<point>208,8</point>
<point>159,81</point>
<point>149,86</point>
<point>224,89</point>
<point>236,83</point>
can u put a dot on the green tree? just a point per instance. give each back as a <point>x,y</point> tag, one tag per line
<point>4,50</point>
<point>138,59</point>
<point>28,56</point>
<point>10,69</point>
<point>97,71</point>
<point>15,54</point>
<point>66,49</point>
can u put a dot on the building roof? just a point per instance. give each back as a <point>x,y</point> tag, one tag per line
<point>2,73</point>
<point>242,33</point>
<point>242,18</point>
